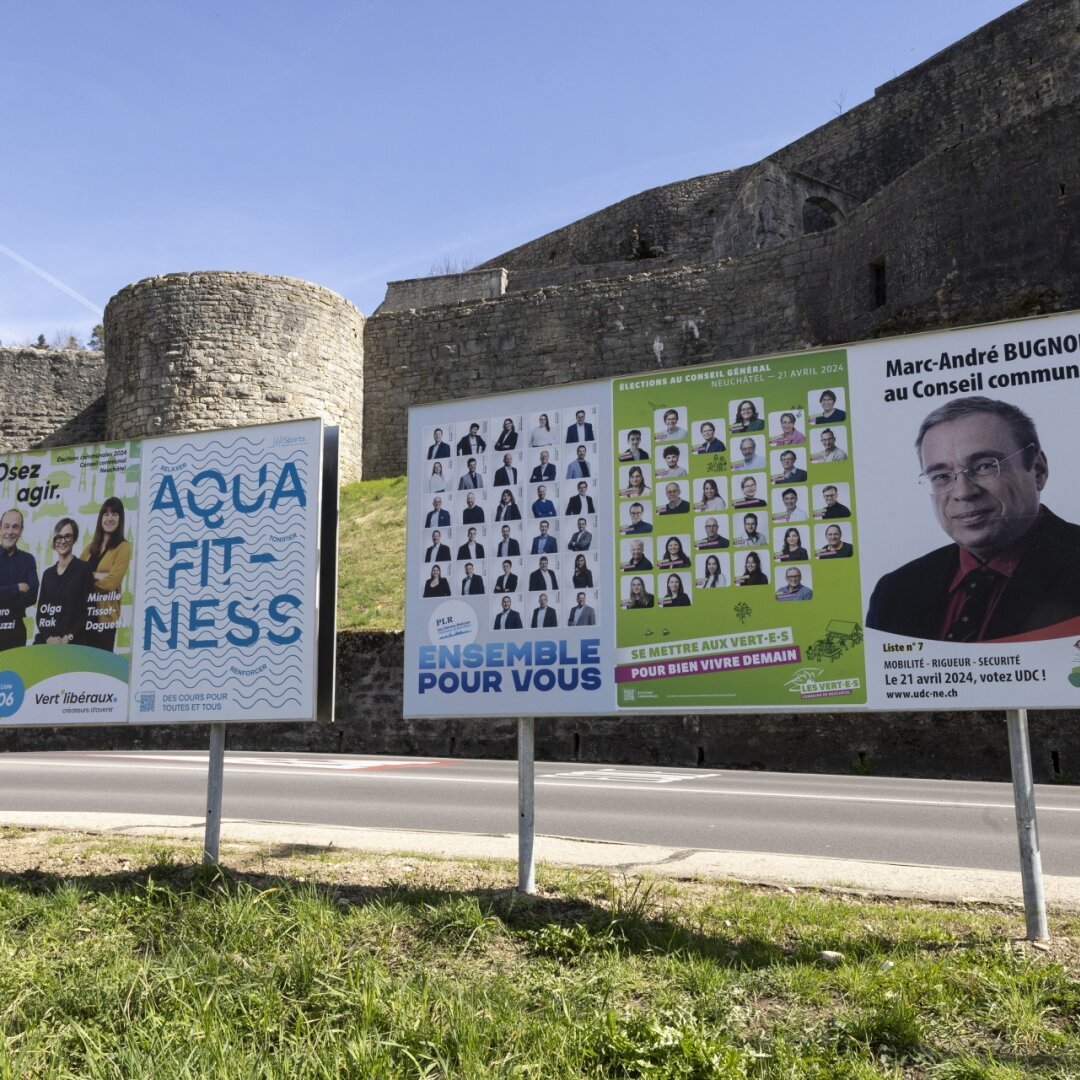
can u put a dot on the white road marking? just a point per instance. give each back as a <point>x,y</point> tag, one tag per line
<point>627,775</point>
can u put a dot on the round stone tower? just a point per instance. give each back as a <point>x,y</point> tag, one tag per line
<point>217,349</point>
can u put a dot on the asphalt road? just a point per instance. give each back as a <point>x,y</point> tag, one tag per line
<point>930,822</point>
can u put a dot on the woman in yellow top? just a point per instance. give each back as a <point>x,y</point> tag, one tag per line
<point>108,555</point>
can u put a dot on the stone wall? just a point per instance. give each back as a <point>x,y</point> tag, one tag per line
<point>974,233</point>
<point>444,289</point>
<point>970,746</point>
<point>50,397</point>
<point>220,349</point>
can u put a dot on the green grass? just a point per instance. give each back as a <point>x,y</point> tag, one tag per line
<point>337,965</point>
<point>371,558</point>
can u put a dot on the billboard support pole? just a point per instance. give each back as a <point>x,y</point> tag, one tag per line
<point>214,783</point>
<point>1027,829</point>
<point>526,805</point>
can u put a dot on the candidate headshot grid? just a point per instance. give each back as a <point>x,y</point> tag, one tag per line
<point>725,493</point>
<point>509,514</point>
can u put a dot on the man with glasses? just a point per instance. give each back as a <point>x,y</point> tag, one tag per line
<point>1013,567</point>
<point>18,581</point>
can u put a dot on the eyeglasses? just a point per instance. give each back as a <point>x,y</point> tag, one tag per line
<point>984,471</point>
<point>68,538</point>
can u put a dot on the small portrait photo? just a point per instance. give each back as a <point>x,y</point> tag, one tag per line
<point>674,460</point>
<point>709,437</point>
<point>669,424</point>
<point>636,554</point>
<point>581,465</point>
<point>508,468</point>
<point>635,481</point>
<point>828,445</point>
<point>712,533</point>
<point>544,572</point>
<point>542,500</point>
<point>712,571</point>
<point>748,452</point>
<point>472,440</point>
<point>471,545</point>
<point>747,491</point>
<point>748,569</point>
<point>582,605</point>
<point>747,415</point>
<point>582,501</point>
<point>470,579</point>
<point>505,611</point>
<point>505,540</point>
<point>671,498</point>
<point>788,466</point>
<point>750,529</point>
<point>438,474</point>
<point>673,552</point>
<point>438,581</point>
<point>509,429</point>
<point>787,428</point>
<point>581,534</point>
<point>794,583</point>
<point>506,505</point>
<point>833,541</point>
<point>543,465</point>
<point>583,572</point>
<point>789,543</point>
<point>789,504</point>
<point>676,591</point>
<point>582,427</point>
<point>437,512</point>
<point>507,575</point>
<point>637,591</point>
<point>710,495</point>
<point>543,427</point>
<point>828,405</point>
<point>635,518</point>
<point>472,507</point>
<point>471,478</point>
<point>831,501</point>
<point>437,442</point>
<point>545,611</point>
<point>635,444</point>
<point>543,537</point>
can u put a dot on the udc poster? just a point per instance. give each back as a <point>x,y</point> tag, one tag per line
<point>883,526</point>
<point>164,580</point>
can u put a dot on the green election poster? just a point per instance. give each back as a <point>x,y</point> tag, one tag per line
<point>736,537</point>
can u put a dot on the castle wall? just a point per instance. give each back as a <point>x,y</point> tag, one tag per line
<point>973,234</point>
<point>51,397</point>
<point>220,349</point>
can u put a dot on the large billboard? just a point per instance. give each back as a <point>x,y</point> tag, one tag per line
<point>763,534</point>
<point>170,579</point>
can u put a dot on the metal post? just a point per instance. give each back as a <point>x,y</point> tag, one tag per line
<point>1026,826</point>
<point>215,781</point>
<point>526,805</point>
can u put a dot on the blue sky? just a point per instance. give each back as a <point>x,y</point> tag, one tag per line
<point>351,143</point>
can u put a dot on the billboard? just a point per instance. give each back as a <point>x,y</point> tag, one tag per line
<point>169,580</point>
<point>764,534</point>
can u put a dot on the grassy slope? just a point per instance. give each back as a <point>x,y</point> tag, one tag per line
<point>122,958</point>
<point>371,558</point>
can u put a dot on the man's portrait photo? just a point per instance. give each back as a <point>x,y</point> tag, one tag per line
<point>634,450</point>
<point>1012,566</point>
<point>507,618</point>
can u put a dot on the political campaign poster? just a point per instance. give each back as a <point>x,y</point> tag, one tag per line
<point>225,619</point>
<point>509,581</point>
<point>68,529</point>
<point>970,555</point>
<point>889,525</point>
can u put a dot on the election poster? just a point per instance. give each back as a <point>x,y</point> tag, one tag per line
<point>509,581</point>
<point>889,525</point>
<point>170,579</point>
<point>226,615</point>
<point>68,528</point>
